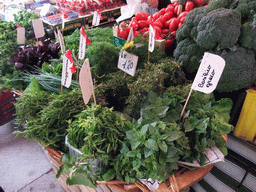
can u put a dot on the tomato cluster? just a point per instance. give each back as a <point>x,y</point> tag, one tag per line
<point>88,6</point>
<point>165,22</point>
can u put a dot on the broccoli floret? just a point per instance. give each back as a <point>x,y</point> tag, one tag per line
<point>239,71</point>
<point>211,28</point>
<point>189,28</point>
<point>230,4</point>
<point>219,28</point>
<point>189,54</point>
<point>248,33</point>
<point>247,9</point>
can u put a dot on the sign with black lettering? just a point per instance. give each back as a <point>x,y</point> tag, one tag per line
<point>127,62</point>
<point>209,73</point>
<point>151,42</point>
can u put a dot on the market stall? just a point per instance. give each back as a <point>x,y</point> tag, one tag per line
<point>135,116</point>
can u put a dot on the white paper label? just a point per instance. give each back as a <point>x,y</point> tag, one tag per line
<point>213,155</point>
<point>62,45</point>
<point>96,19</point>
<point>130,36</point>
<point>151,43</point>
<point>21,35</point>
<point>85,80</point>
<point>63,21</point>
<point>209,73</point>
<point>66,72</point>
<point>82,46</point>
<point>38,28</point>
<point>127,62</point>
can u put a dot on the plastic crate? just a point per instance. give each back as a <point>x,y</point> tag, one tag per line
<point>94,165</point>
<point>246,125</point>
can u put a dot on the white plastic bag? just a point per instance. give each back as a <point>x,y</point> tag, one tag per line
<point>133,7</point>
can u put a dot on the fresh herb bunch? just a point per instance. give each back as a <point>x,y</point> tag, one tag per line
<point>156,77</point>
<point>95,35</point>
<point>98,132</point>
<point>8,46</point>
<point>153,147</point>
<point>50,126</point>
<point>115,89</point>
<point>103,58</point>
<point>31,102</point>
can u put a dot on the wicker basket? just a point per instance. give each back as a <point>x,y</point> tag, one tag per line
<point>182,179</point>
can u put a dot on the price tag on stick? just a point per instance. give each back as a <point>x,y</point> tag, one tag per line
<point>95,19</point>
<point>68,69</point>
<point>38,28</point>
<point>127,62</point>
<point>86,83</point>
<point>21,35</point>
<point>66,73</point>
<point>151,43</point>
<point>208,75</point>
<point>82,45</point>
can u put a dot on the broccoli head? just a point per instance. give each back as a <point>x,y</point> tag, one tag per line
<point>247,9</point>
<point>219,29</point>
<point>248,33</point>
<point>240,70</point>
<point>230,4</point>
<point>211,28</point>
<point>189,54</point>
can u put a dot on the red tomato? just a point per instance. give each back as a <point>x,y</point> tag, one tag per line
<point>167,24</point>
<point>199,2</point>
<point>165,31</point>
<point>176,10</point>
<point>158,29</point>
<point>157,35</point>
<point>122,24</point>
<point>156,16</point>
<point>189,6</point>
<point>134,19</point>
<point>158,24</point>
<point>145,29</point>
<point>162,11</point>
<point>123,34</point>
<point>175,3</point>
<point>141,16</point>
<point>150,19</point>
<point>174,24</point>
<point>183,14</point>
<point>134,24</point>
<point>167,16</point>
<point>168,44</point>
<point>161,19</point>
<point>142,24</point>
<point>169,9</point>
<point>182,19</point>
<point>180,25</point>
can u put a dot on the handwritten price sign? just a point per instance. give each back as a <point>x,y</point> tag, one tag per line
<point>127,62</point>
